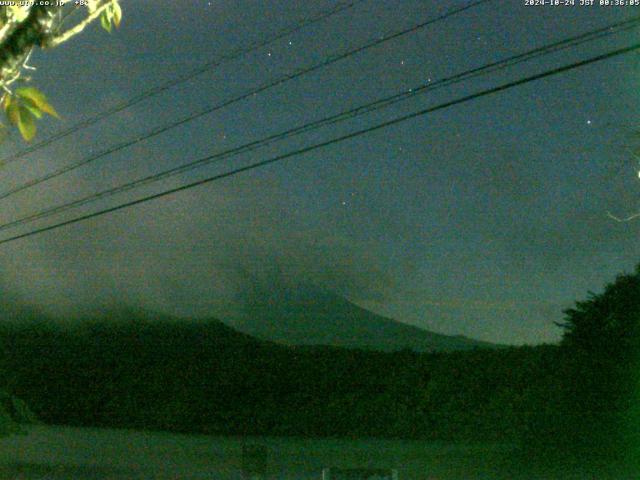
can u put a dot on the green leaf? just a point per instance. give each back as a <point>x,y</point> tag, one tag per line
<point>26,123</point>
<point>20,116</point>
<point>37,99</point>
<point>117,13</point>
<point>13,111</point>
<point>7,101</point>
<point>24,107</point>
<point>35,111</point>
<point>105,20</point>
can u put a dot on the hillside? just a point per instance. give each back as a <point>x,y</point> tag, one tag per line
<point>135,369</point>
<point>310,316</point>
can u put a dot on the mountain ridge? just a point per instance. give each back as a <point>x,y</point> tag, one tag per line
<point>307,315</point>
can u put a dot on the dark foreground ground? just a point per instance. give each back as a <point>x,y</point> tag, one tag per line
<point>72,453</point>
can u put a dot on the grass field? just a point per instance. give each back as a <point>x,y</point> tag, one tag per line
<point>73,453</point>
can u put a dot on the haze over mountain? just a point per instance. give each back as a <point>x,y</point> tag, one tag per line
<point>307,315</point>
<point>295,314</point>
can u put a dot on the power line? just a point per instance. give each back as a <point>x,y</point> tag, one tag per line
<point>331,60</point>
<point>379,126</point>
<point>333,119</point>
<point>573,41</point>
<point>180,79</point>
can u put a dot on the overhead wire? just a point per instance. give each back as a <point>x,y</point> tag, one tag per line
<point>282,79</point>
<point>608,30</point>
<point>335,140</point>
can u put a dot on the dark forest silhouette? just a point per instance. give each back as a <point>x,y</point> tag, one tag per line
<point>576,398</point>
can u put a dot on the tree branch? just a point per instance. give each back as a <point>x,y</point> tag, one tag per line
<point>7,28</point>
<point>624,219</point>
<point>11,19</point>
<point>63,37</point>
<point>33,31</point>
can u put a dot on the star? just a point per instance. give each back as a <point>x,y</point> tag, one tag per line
<point>588,122</point>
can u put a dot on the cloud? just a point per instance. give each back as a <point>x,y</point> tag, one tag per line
<point>186,255</point>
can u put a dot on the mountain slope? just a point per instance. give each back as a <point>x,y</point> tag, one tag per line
<point>310,316</point>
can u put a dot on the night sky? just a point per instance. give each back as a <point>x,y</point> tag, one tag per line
<point>486,219</point>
